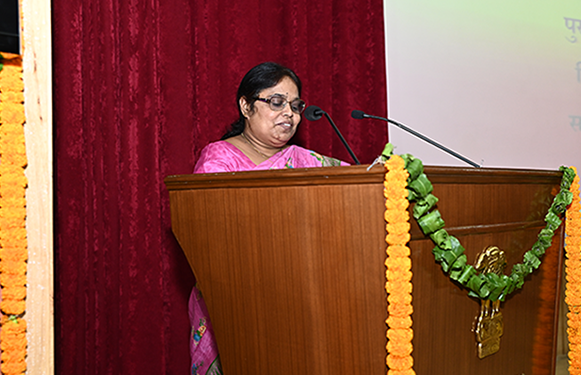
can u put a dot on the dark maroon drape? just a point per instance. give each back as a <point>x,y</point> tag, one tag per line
<point>139,88</point>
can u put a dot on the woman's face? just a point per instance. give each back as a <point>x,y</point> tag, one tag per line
<point>272,128</point>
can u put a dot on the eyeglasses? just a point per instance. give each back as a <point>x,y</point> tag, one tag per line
<point>277,103</point>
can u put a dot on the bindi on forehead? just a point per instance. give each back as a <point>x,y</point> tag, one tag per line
<point>285,88</point>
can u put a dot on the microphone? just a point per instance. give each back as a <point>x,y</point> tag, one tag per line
<point>358,115</point>
<point>313,113</point>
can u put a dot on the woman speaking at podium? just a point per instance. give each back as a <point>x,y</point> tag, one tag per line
<point>270,108</point>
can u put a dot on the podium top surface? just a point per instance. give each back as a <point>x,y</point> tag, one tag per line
<point>357,174</point>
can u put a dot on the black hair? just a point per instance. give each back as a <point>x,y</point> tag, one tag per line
<point>262,76</point>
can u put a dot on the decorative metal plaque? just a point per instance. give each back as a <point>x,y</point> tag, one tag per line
<point>489,326</point>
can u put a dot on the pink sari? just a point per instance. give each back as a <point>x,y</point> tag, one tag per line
<point>217,157</point>
<point>222,156</point>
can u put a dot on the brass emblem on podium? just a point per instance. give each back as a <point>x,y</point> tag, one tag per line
<point>489,326</point>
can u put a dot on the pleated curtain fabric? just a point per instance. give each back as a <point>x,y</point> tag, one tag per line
<point>140,87</point>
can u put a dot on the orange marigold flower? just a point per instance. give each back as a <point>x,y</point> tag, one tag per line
<point>399,298</point>
<point>14,342</point>
<point>392,216</point>
<point>396,178</point>
<point>14,293</point>
<point>401,372</point>
<point>11,355</point>
<point>9,280</point>
<point>13,325</point>
<point>399,275</point>
<point>400,349</point>
<point>14,83</point>
<point>397,239</point>
<point>12,97</point>
<point>399,363</point>
<point>399,251</point>
<point>575,339</point>
<point>11,114</point>
<point>401,227</point>
<point>395,192</point>
<point>14,368</point>
<point>398,205</point>
<point>397,263</point>
<point>12,307</point>
<point>573,298</point>
<point>574,309</point>
<point>8,250</point>
<point>405,334</point>
<point>13,267</point>
<point>396,286</point>
<point>399,322</point>
<point>18,233</point>
<point>575,355</point>
<point>400,310</point>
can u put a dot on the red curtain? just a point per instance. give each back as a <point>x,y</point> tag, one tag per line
<point>139,88</point>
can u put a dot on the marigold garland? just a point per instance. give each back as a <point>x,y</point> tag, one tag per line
<point>13,242</point>
<point>450,254</point>
<point>398,274</point>
<point>573,277</point>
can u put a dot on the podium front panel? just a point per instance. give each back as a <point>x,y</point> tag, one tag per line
<point>291,265</point>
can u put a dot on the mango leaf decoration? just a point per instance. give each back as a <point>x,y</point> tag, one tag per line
<point>449,253</point>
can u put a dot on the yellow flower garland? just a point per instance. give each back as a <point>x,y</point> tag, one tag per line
<point>398,274</point>
<point>573,277</point>
<point>13,242</point>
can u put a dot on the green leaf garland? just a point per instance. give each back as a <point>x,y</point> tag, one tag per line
<point>450,253</point>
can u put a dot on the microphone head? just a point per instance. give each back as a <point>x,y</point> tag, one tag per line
<point>357,114</point>
<point>313,113</point>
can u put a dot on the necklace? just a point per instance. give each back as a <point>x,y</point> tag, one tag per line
<point>255,149</point>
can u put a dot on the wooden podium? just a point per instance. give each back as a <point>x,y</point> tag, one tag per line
<point>291,265</point>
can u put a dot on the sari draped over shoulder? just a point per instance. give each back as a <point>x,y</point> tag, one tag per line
<point>222,156</point>
<point>219,157</point>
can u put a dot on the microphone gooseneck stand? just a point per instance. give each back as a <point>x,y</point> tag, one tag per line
<point>357,114</point>
<point>313,113</point>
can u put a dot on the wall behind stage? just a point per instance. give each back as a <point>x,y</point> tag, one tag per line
<point>498,82</point>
